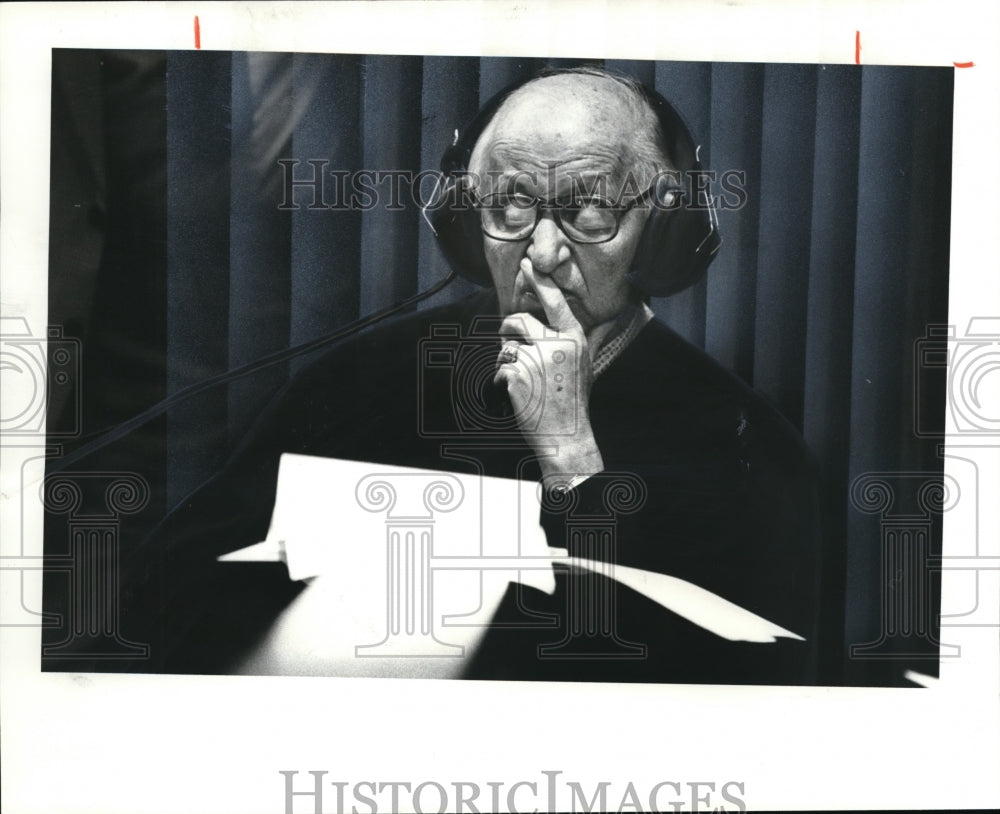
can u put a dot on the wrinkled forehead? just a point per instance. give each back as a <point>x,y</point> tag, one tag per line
<point>551,132</point>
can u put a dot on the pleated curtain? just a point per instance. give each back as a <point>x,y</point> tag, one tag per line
<point>828,275</point>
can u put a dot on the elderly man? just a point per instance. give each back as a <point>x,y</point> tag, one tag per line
<point>564,176</point>
<point>553,135</point>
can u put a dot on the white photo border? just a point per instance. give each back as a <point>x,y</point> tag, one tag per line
<point>115,743</point>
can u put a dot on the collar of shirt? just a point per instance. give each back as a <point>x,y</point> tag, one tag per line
<point>627,326</point>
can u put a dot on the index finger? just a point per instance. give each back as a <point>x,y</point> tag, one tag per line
<point>553,301</point>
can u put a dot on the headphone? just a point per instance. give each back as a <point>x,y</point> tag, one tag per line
<point>680,238</point>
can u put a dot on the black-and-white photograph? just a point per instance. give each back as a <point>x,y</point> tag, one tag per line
<point>499,406</point>
<point>498,368</point>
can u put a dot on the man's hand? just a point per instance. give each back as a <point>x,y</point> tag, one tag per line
<point>548,374</point>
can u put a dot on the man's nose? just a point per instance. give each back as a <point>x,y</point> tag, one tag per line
<point>549,246</point>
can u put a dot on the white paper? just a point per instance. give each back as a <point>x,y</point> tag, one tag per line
<point>432,554</point>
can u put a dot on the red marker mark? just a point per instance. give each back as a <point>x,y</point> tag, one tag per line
<point>857,47</point>
<point>964,64</point>
<point>197,32</point>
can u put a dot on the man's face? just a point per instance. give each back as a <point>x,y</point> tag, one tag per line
<point>544,142</point>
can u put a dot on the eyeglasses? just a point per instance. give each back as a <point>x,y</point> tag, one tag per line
<point>593,219</point>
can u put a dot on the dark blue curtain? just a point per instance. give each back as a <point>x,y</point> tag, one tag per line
<point>828,274</point>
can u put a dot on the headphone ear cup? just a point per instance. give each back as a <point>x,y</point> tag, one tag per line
<point>453,217</point>
<point>681,237</point>
<point>677,245</point>
<point>454,159</point>
<point>455,222</point>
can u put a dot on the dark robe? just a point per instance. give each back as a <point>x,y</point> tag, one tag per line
<point>703,480</point>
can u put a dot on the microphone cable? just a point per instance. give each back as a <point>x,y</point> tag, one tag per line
<point>115,433</point>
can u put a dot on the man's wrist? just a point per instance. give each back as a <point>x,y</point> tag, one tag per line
<point>572,464</point>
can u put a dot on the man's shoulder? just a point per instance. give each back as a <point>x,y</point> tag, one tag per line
<point>394,344</point>
<point>462,313</point>
<point>364,393</point>
<point>672,361</point>
<point>677,378</point>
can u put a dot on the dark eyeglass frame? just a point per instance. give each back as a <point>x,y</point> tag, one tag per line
<point>557,208</point>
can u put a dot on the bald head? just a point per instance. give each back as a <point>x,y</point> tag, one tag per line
<point>583,112</point>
